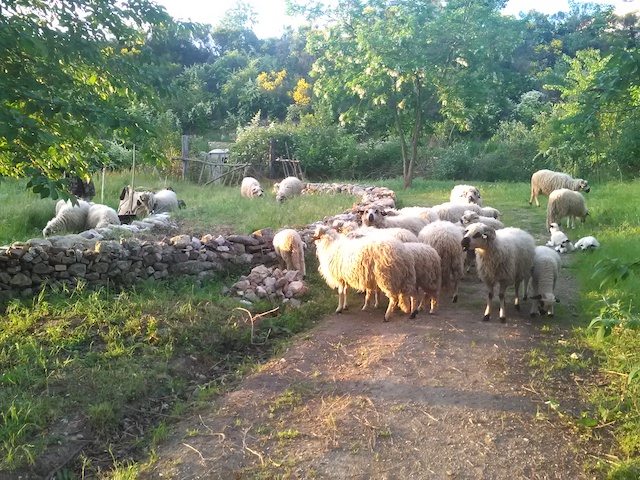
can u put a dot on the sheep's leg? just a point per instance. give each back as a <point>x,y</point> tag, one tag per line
<point>516,299</point>
<point>487,310</point>
<point>434,304</point>
<point>367,298</point>
<point>503,316</point>
<point>534,307</point>
<point>342,298</point>
<point>393,301</point>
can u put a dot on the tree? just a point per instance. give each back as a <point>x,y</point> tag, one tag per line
<point>70,69</point>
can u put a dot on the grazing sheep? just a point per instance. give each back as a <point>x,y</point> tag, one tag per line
<point>428,276</point>
<point>544,274</point>
<point>101,216</point>
<point>504,257</point>
<point>69,218</point>
<point>290,249</point>
<point>445,237</point>
<point>546,181</point>
<point>559,240</point>
<point>377,217</point>
<point>366,265</point>
<point>453,212</point>
<point>288,188</point>
<point>587,243</point>
<point>490,212</point>
<point>465,194</point>
<point>473,217</point>
<point>250,188</point>
<point>566,203</point>
<point>146,202</point>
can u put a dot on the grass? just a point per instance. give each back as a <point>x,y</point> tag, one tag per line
<point>100,355</point>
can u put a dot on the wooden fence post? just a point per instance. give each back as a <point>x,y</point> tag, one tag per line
<point>185,155</point>
<point>272,158</point>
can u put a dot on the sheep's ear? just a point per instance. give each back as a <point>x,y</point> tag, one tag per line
<point>557,300</point>
<point>124,193</point>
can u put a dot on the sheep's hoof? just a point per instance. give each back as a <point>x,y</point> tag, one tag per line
<point>455,299</point>
<point>517,306</point>
<point>542,312</point>
<point>549,314</point>
<point>486,318</point>
<point>413,314</point>
<point>533,314</point>
<point>385,320</point>
<point>503,319</point>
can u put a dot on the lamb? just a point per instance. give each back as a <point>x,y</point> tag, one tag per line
<point>465,194</point>
<point>101,216</point>
<point>566,203</point>
<point>366,265</point>
<point>473,217</point>
<point>544,274</point>
<point>250,188</point>
<point>546,181</point>
<point>559,240</point>
<point>68,218</point>
<point>131,202</point>
<point>587,243</point>
<point>504,257</point>
<point>376,216</point>
<point>288,188</point>
<point>445,237</point>
<point>290,248</point>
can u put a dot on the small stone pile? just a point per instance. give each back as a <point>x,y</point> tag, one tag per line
<point>273,284</point>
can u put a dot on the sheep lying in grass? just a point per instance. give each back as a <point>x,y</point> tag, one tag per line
<point>101,216</point>
<point>290,248</point>
<point>445,237</point>
<point>250,188</point>
<point>544,274</point>
<point>147,202</point>
<point>288,188</point>
<point>546,181</point>
<point>465,194</point>
<point>69,218</point>
<point>566,203</point>
<point>587,243</point>
<point>503,257</point>
<point>473,217</point>
<point>559,240</point>
<point>377,217</point>
<point>366,265</point>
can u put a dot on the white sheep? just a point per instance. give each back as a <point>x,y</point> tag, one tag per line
<point>546,181</point>
<point>504,257</point>
<point>566,203</point>
<point>587,243</point>
<point>428,269</point>
<point>453,212</point>
<point>366,265</point>
<point>445,237</point>
<point>290,248</point>
<point>288,188</point>
<point>490,212</point>
<point>250,188</point>
<point>559,240</point>
<point>68,218</point>
<point>465,194</point>
<point>147,202</point>
<point>544,275</point>
<point>426,213</point>
<point>377,217</point>
<point>101,216</point>
<point>401,234</point>
<point>472,217</point>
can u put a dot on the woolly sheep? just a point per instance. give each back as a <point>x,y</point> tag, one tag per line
<point>101,216</point>
<point>366,265</point>
<point>290,248</point>
<point>250,188</point>
<point>559,240</point>
<point>426,213</point>
<point>377,217</point>
<point>146,202</point>
<point>587,243</point>
<point>544,274</point>
<point>465,194</point>
<point>490,212</point>
<point>69,218</point>
<point>546,181</point>
<point>473,217</point>
<point>288,188</point>
<point>428,269</point>
<point>504,257</point>
<point>453,212</point>
<point>445,237</point>
<point>401,234</point>
<point>566,203</point>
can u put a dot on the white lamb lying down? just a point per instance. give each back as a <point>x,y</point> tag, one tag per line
<point>69,217</point>
<point>587,243</point>
<point>559,240</point>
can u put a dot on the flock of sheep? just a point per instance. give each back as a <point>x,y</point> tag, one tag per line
<point>417,254</point>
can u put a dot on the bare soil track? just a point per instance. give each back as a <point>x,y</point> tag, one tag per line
<point>439,397</point>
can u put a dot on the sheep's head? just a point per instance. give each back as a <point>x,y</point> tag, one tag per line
<point>48,230</point>
<point>472,195</point>
<point>469,217</point>
<point>324,232</point>
<point>477,235</point>
<point>583,185</point>
<point>372,216</point>
<point>256,191</point>
<point>554,227</point>
<point>547,301</point>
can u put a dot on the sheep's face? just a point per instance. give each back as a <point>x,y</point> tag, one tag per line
<point>584,186</point>
<point>48,230</point>
<point>477,235</point>
<point>372,216</point>
<point>469,217</point>
<point>256,191</point>
<point>323,231</point>
<point>472,196</point>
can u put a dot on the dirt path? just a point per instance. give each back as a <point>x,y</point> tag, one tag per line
<point>440,397</point>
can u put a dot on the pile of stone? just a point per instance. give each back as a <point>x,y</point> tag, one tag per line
<point>367,193</point>
<point>269,283</point>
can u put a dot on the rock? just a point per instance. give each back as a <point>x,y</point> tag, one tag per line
<point>180,241</point>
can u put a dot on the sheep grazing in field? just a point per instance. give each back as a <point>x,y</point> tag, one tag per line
<point>544,274</point>
<point>288,188</point>
<point>290,248</point>
<point>366,265</point>
<point>445,237</point>
<point>101,216</point>
<point>503,257</point>
<point>587,243</point>
<point>559,240</point>
<point>428,269</point>
<point>546,181</point>
<point>465,194</point>
<point>377,217</point>
<point>473,217</point>
<point>566,203</point>
<point>69,218</point>
<point>147,203</point>
<point>250,188</point>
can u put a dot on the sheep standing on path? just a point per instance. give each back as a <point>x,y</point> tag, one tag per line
<point>566,203</point>
<point>472,217</point>
<point>546,181</point>
<point>428,276</point>
<point>290,248</point>
<point>250,188</point>
<point>544,274</point>
<point>503,257</point>
<point>289,188</point>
